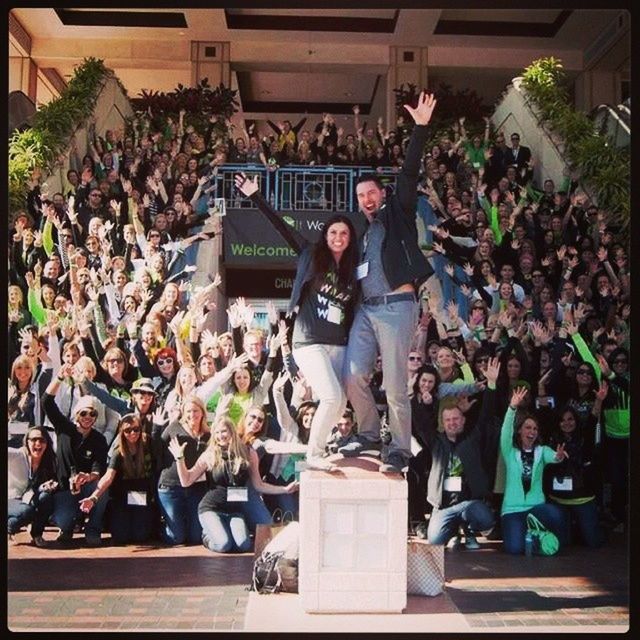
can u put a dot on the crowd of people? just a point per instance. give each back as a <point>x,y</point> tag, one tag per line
<point>476,339</point>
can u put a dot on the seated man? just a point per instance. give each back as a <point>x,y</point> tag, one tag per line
<point>457,482</point>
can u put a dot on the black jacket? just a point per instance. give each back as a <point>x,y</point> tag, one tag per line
<point>402,259</point>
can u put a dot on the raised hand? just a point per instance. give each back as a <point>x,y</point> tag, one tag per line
<point>561,454</point>
<point>246,186</point>
<point>602,391</point>
<point>424,110</point>
<point>449,269</point>
<point>517,397</point>
<point>176,449</point>
<point>492,370</point>
<point>280,381</point>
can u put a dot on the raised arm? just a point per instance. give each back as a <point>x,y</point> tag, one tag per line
<point>406,187</point>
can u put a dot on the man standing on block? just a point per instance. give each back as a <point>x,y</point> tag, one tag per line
<point>391,267</point>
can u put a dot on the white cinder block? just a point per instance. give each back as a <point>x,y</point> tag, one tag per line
<point>351,582</point>
<point>397,600</point>
<point>357,601</point>
<point>353,550</point>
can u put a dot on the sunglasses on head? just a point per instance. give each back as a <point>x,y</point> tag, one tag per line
<point>87,412</point>
<point>129,430</point>
<point>167,360</point>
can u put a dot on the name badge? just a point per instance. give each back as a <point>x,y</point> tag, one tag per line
<point>299,467</point>
<point>334,315</point>
<point>476,165</point>
<point>237,494</point>
<point>563,484</point>
<point>453,484</point>
<point>362,270</point>
<point>137,498</point>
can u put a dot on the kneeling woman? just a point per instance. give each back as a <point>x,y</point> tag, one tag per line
<point>229,467</point>
<point>525,460</point>
<point>130,480</point>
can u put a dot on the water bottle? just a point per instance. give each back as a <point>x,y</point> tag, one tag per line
<point>528,544</point>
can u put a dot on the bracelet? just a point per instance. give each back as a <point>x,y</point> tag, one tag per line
<point>93,499</point>
<point>179,458</point>
<point>60,379</point>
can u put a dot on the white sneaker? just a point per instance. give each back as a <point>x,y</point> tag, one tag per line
<point>320,464</point>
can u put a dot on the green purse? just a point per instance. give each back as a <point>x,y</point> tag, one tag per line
<point>545,542</point>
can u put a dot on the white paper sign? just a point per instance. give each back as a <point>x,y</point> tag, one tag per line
<point>563,484</point>
<point>334,315</point>
<point>137,498</point>
<point>362,270</point>
<point>453,484</point>
<point>237,494</point>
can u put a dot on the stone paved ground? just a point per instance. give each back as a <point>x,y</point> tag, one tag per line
<point>189,588</point>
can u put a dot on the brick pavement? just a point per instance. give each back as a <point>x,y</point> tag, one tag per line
<point>189,588</point>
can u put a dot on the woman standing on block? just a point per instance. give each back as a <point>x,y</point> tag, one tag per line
<point>525,460</point>
<point>323,296</point>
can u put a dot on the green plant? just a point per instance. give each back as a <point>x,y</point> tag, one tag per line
<point>200,103</point>
<point>52,127</point>
<point>604,169</point>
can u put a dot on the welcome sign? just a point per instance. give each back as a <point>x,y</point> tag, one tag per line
<point>250,240</point>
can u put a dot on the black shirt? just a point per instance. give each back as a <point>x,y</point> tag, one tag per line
<point>323,315</point>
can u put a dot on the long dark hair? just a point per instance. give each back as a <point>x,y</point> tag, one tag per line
<point>323,261</point>
<point>48,465</point>
<point>426,368</point>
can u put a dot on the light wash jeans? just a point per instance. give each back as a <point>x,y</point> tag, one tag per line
<point>387,329</point>
<point>224,532</point>
<point>322,366</point>
<point>474,515</point>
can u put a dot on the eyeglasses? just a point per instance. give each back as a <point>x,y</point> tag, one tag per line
<point>131,430</point>
<point>115,361</point>
<point>87,412</point>
<point>255,417</point>
<point>37,439</point>
<point>161,361</point>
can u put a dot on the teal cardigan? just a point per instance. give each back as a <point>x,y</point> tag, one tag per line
<point>515,499</point>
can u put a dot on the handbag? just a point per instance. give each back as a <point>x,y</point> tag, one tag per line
<point>276,568</point>
<point>425,568</point>
<point>545,542</point>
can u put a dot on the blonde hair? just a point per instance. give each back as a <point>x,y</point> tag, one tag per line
<point>22,359</point>
<point>17,290</point>
<point>248,439</point>
<point>178,385</point>
<point>87,363</point>
<point>192,398</point>
<point>238,454</point>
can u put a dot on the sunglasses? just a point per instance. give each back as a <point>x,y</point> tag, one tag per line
<point>38,439</point>
<point>583,372</point>
<point>162,361</point>
<point>130,430</point>
<point>87,412</point>
<point>115,361</point>
<point>412,358</point>
<point>258,418</point>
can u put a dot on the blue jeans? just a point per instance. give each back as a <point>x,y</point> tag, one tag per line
<point>586,517</point>
<point>224,532</point>
<point>514,526</point>
<point>322,366</point>
<point>474,515</point>
<point>179,508</point>
<point>130,523</point>
<point>66,509</point>
<point>37,513</point>
<point>387,329</point>
<point>254,510</point>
